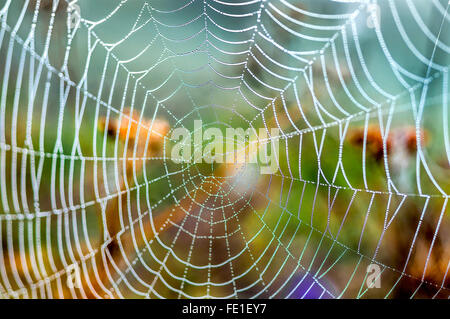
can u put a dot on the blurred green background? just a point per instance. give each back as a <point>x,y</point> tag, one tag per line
<point>347,194</point>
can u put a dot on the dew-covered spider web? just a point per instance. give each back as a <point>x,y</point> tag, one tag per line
<point>93,205</point>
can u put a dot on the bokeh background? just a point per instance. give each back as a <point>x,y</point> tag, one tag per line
<point>359,90</point>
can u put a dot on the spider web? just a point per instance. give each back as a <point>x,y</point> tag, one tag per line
<point>358,89</point>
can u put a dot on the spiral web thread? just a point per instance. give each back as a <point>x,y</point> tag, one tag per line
<point>317,70</point>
